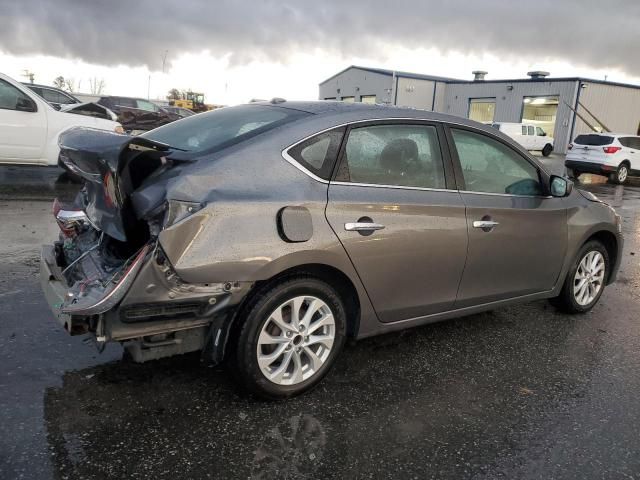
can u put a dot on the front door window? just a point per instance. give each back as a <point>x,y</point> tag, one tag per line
<point>489,166</point>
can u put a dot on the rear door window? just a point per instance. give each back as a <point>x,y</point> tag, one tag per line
<point>489,166</point>
<point>531,130</point>
<point>398,155</point>
<point>524,129</point>
<point>125,102</point>
<point>148,106</point>
<point>318,154</point>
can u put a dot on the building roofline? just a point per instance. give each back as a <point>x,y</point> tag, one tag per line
<point>398,73</point>
<point>549,79</point>
<point>448,80</point>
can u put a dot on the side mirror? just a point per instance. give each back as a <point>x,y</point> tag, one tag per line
<point>543,134</point>
<point>560,186</point>
<point>25,105</point>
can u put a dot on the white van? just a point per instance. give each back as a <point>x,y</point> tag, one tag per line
<point>530,136</point>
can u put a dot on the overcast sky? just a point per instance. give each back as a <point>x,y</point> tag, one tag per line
<point>238,50</point>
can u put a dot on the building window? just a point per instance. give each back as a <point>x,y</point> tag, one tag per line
<point>482,110</point>
<point>541,111</point>
<point>368,98</point>
<point>348,99</point>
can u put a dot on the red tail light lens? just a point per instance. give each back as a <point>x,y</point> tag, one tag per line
<point>611,149</point>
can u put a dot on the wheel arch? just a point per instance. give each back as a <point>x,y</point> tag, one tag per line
<point>610,242</point>
<point>329,274</point>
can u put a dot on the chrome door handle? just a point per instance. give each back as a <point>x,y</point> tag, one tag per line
<point>362,226</point>
<point>484,224</point>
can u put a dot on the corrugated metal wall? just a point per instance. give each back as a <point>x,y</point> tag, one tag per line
<point>368,83</point>
<point>415,93</point>
<point>509,103</point>
<point>441,91</point>
<point>618,107</point>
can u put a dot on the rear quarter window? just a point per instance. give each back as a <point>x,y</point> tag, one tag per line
<point>318,154</point>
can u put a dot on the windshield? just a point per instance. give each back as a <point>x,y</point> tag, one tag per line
<point>594,140</point>
<point>222,128</point>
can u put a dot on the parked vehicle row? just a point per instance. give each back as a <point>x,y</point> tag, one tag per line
<point>616,156</point>
<point>271,232</point>
<point>30,126</point>
<point>138,115</point>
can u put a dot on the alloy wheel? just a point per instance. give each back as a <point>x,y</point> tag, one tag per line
<point>622,173</point>
<point>589,278</point>
<point>296,340</point>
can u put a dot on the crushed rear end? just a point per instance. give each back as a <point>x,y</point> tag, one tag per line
<point>107,274</point>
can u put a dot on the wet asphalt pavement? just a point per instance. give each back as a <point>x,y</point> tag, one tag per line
<point>520,392</point>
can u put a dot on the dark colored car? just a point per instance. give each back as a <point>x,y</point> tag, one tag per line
<point>136,114</point>
<point>272,232</point>
<point>54,96</point>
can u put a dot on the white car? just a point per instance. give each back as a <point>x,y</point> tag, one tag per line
<point>614,155</point>
<point>30,127</point>
<point>530,136</point>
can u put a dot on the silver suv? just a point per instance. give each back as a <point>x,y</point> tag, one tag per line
<point>271,232</point>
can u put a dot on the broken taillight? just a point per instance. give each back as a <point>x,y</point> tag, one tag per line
<point>69,220</point>
<point>110,197</point>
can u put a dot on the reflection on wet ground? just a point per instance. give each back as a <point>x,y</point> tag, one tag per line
<point>520,392</point>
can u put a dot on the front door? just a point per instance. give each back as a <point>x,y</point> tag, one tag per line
<point>517,234</point>
<point>23,127</point>
<point>403,229</point>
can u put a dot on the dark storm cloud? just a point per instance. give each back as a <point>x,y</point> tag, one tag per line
<point>596,33</point>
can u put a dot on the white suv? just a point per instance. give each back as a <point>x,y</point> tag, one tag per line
<point>614,155</point>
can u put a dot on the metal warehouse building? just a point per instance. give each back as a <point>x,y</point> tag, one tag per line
<point>563,107</point>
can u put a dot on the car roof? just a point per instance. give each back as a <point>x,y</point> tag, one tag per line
<point>28,84</point>
<point>366,111</point>
<point>609,134</point>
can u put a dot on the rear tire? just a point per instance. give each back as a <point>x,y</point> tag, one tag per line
<point>280,353</point>
<point>621,176</point>
<point>546,151</point>
<point>585,280</point>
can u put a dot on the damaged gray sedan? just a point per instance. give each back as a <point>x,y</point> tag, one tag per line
<point>271,232</point>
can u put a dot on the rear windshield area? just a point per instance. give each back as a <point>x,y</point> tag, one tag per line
<point>222,128</point>
<point>594,140</point>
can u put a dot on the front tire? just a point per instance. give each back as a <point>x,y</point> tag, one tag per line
<point>585,280</point>
<point>292,333</point>
<point>547,149</point>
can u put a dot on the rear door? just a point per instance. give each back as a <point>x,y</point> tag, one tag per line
<point>517,233</point>
<point>393,205</point>
<point>23,126</point>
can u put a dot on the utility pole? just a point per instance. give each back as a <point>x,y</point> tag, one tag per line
<point>29,75</point>
<point>164,59</point>
<point>149,88</point>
